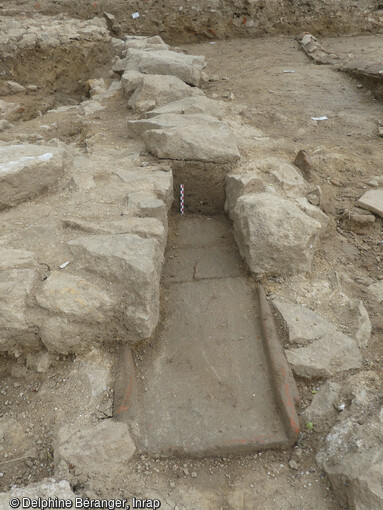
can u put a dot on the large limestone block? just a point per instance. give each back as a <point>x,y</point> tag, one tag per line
<point>143,227</point>
<point>192,137</point>
<point>17,328</point>
<point>325,357</point>
<point>171,120</point>
<point>75,298</point>
<point>154,91</point>
<point>130,81</point>
<point>141,42</point>
<point>143,179</point>
<point>48,488</point>
<point>94,449</point>
<point>302,324</point>
<point>239,184</point>
<point>147,205</point>
<point>190,105</point>
<point>274,235</point>
<point>352,458</point>
<point>134,265</point>
<point>187,68</point>
<point>28,170</point>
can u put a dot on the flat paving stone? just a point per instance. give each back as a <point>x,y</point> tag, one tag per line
<point>204,388</point>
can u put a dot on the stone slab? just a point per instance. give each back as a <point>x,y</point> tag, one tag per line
<point>205,387</point>
<point>372,201</point>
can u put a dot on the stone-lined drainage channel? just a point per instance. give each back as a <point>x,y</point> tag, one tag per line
<point>206,384</point>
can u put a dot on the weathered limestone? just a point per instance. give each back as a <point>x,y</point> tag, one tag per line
<point>134,264</point>
<point>322,407</point>
<point>146,205</point>
<point>27,170</point>
<point>303,325</point>
<point>284,173</point>
<point>190,105</point>
<point>16,259</point>
<point>191,137</point>
<point>187,68</point>
<point>325,357</point>
<point>148,43</point>
<point>61,336</point>
<point>313,211</point>
<point>274,236</point>
<point>144,179</point>
<point>143,227</point>
<point>74,298</point>
<point>94,449</point>
<point>352,458</point>
<point>239,184</point>
<point>130,81</point>
<point>155,90</point>
<point>171,120</point>
<point>376,291</point>
<point>48,488</point>
<point>17,328</point>
<point>372,201</point>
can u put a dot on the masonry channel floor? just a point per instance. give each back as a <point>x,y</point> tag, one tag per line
<point>205,387</point>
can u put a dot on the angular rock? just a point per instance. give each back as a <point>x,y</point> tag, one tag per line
<point>15,88</point>
<point>187,68</point>
<point>17,328</point>
<point>47,488</point>
<point>325,357</point>
<point>170,120</point>
<point>75,298</point>
<point>161,182</point>
<point>189,105</point>
<point>134,264</point>
<point>16,259</point>
<point>28,170</point>
<point>273,235</point>
<point>147,206</point>
<point>313,211</point>
<point>143,227</point>
<point>352,458</point>
<point>376,291</point>
<point>40,361</point>
<point>372,201</point>
<point>130,81</point>
<point>239,184</point>
<point>285,173</point>
<point>322,406</point>
<point>303,325</point>
<point>118,45</point>
<point>4,125</point>
<point>94,449</point>
<point>304,162</point>
<point>148,43</point>
<point>61,336</point>
<point>192,137</point>
<point>155,91</point>
<point>362,322</point>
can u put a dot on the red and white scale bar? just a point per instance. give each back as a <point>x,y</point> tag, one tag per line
<point>182,199</point>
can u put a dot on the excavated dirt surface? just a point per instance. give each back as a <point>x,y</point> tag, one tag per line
<point>348,156</point>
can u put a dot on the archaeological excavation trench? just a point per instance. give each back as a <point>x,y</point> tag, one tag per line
<point>150,353</point>
<point>211,384</point>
